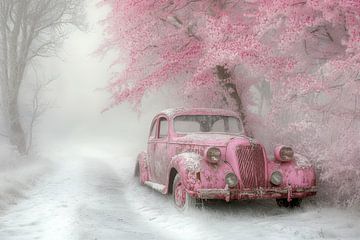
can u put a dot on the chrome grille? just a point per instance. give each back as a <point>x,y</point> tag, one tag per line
<point>252,165</point>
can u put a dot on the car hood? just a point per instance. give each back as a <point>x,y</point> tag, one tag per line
<point>208,139</point>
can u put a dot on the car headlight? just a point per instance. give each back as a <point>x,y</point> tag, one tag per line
<point>213,155</point>
<point>231,179</point>
<point>276,178</point>
<point>284,153</point>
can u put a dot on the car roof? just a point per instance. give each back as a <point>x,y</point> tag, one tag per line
<point>172,112</point>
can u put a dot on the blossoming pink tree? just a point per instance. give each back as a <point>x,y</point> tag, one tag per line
<point>300,57</point>
<point>198,42</point>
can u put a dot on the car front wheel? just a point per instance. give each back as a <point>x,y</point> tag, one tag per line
<point>283,202</point>
<point>181,197</point>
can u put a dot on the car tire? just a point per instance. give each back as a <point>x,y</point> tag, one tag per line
<point>137,170</point>
<point>283,202</point>
<point>142,169</point>
<point>182,199</point>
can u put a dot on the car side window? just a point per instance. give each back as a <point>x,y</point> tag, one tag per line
<point>153,130</point>
<point>163,128</point>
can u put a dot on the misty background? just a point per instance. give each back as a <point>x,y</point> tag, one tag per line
<point>78,97</point>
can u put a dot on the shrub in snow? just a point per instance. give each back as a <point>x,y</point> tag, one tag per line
<point>18,173</point>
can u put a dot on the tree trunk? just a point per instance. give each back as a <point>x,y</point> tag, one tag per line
<point>17,134</point>
<point>15,130</point>
<point>229,87</point>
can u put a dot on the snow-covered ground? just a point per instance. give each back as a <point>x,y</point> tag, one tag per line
<point>83,199</point>
<point>92,195</point>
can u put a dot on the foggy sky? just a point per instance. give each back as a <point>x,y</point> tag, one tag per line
<point>77,96</point>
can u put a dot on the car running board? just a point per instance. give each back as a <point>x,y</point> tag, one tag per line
<point>157,187</point>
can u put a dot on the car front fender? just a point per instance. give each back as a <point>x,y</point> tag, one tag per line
<point>294,175</point>
<point>188,166</point>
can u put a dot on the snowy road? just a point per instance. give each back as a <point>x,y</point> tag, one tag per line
<point>92,198</point>
<point>82,199</point>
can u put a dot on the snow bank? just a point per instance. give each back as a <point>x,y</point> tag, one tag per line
<point>18,174</point>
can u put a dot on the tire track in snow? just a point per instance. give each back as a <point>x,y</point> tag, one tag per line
<point>106,214</point>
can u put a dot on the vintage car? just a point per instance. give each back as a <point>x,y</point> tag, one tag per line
<point>201,154</point>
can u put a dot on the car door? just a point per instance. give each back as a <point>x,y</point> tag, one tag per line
<point>151,149</point>
<point>157,150</point>
<point>160,152</point>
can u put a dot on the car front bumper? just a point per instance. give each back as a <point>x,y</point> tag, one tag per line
<point>258,193</point>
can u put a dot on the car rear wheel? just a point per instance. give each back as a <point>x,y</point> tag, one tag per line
<point>181,197</point>
<point>143,176</point>
<point>283,202</point>
<point>141,169</point>
<point>137,170</point>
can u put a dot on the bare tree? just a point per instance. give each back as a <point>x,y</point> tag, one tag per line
<point>28,29</point>
<point>38,107</point>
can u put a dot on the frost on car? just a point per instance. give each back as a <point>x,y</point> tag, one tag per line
<point>202,154</point>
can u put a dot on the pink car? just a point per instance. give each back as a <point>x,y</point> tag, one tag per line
<point>200,154</point>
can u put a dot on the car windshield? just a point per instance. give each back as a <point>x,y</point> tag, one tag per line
<point>207,124</point>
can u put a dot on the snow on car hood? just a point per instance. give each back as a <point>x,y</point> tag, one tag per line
<point>208,138</point>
